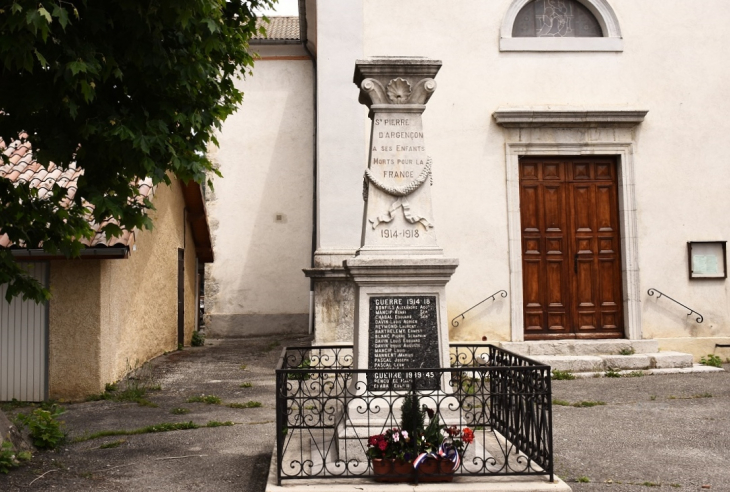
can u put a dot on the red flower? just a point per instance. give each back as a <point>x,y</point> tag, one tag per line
<point>375,440</point>
<point>382,445</point>
<point>467,435</point>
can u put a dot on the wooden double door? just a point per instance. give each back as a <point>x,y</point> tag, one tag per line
<point>571,261</point>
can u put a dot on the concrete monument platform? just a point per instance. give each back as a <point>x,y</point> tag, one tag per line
<point>460,484</point>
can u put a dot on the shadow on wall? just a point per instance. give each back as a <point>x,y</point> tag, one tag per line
<point>675,321</point>
<point>475,323</point>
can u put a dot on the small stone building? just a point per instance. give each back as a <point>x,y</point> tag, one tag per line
<point>123,302</point>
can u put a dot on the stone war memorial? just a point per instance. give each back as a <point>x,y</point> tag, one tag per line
<point>399,271</point>
<point>402,404</point>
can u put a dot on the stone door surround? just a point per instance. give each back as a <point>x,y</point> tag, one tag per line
<point>573,132</point>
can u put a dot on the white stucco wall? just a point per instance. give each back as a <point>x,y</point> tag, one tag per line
<point>340,125</point>
<point>672,65</point>
<point>256,284</point>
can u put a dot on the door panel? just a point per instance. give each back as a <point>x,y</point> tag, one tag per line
<point>570,239</point>
<point>24,343</point>
<point>582,198</point>
<point>530,218</point>
<point>604,207</point>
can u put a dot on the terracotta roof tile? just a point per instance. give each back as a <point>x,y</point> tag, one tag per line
<point>279,28</point>
<point>22,168</point>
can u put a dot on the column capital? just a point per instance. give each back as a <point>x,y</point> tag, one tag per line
<point>400,82</point>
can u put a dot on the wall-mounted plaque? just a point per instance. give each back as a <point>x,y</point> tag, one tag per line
<point>707,259</point>
<point>403,334</point>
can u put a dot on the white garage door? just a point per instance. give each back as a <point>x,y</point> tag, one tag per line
<point>24,344</point>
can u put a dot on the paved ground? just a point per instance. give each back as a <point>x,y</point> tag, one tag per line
<point>672,430</point>
<point>212,459</point>
<point>664,430</point>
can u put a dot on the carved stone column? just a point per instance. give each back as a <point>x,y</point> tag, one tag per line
<point>397,183</point>
<point>399,271</point>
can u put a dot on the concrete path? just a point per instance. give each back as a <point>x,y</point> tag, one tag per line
<point>211,459</point>
<point>664,430</point>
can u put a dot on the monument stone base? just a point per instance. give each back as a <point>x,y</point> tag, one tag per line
<point>400,312</point>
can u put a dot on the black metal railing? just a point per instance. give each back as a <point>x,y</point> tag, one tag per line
<point>653,291</point>
<point>493,297</point>
<point>326,411</point>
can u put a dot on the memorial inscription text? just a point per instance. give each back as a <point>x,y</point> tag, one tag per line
<point>403,334</point>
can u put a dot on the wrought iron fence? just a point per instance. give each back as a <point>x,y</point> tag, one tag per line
<point>326,412</point>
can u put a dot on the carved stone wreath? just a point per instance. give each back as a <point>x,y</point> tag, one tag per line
<point>404,190</point>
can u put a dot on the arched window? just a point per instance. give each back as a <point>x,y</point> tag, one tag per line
<point>560,25</point>
<point>556,19</point>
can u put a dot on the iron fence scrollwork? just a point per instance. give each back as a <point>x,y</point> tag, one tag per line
<point>325,411</point>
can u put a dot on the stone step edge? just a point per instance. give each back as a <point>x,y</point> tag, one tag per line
<point>696,368</point>
<point>580,347</point>
<point>592,363</point>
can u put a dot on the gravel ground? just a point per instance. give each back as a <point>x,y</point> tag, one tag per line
<point>668,432</point>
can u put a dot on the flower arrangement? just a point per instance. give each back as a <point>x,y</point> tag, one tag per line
<point>442,442</point>
<point>421,444</point>
<point>392,444</point>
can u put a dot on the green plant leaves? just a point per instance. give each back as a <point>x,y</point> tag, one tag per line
<point>45,428</point>
<point>127,90</point>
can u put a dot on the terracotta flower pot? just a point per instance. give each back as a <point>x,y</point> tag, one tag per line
<point>392,470</point>
<point>433,470</point>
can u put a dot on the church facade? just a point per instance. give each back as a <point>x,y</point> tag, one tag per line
<point>577,151</point>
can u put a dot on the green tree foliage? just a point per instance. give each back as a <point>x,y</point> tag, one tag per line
<point>126,88</point>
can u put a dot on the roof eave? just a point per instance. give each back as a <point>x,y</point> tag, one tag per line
<point>275,41</point>
<point>197,217</point>
<point>96,253</point>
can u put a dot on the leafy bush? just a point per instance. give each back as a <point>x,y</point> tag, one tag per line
<point>198,339</point>
<point>562,375</point>
<point>612,374</point>
<point>301,376</point>
<point>44,427</point>
<point>711,360</point>
<point>8,460</point>
<point>133,388</point>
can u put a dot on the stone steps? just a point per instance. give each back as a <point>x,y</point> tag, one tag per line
<point>599,356</point>
<point>605,362</point>
<point>581,347</point>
